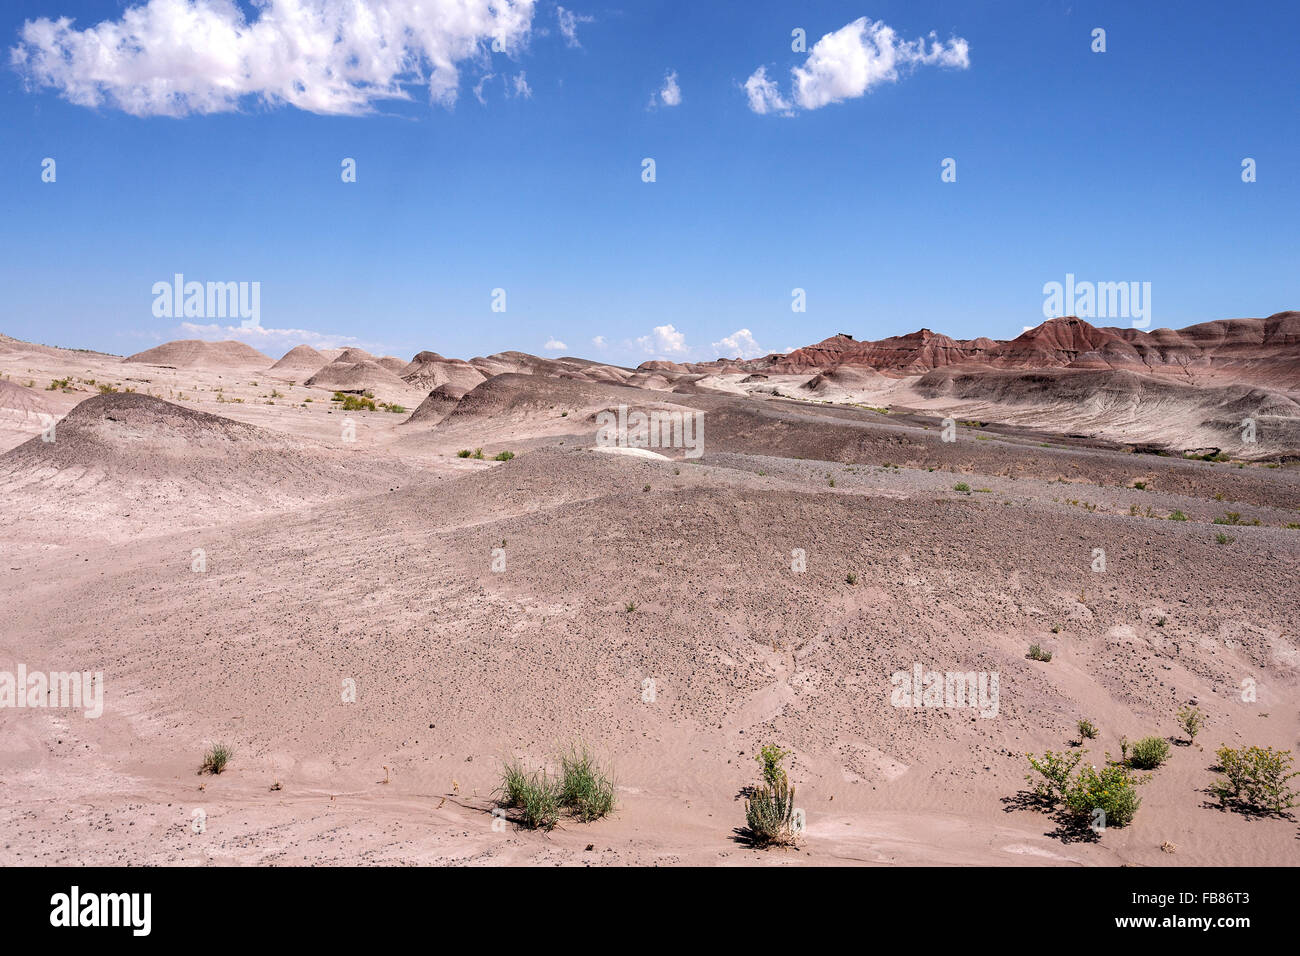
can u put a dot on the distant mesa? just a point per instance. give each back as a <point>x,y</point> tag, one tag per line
<point>198,353</point>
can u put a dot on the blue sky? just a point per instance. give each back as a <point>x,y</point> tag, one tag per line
<point>1115,166</point>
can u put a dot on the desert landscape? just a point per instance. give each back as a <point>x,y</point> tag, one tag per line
<point>383,582</point>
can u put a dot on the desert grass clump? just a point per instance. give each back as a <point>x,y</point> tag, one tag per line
<point>1191,720</point>
<point>769,814</point>
<point>586,790</point>
<point>535,795</point>
<point>1255,780</point>
<point>1036,653</point>
<point>503,456</point>
<point>1148,753</point>
<point>961,486</point>
<point>215,760</point>
<point>1087,730</point>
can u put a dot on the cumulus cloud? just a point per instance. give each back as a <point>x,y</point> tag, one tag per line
<point>175,57</point>
<point>555,345</point>
<point>599,342</point>
<point>478,87</point>
<point>271,341</point>
<point>663,340</point>
<point>739,344</point>
<point>846,64</point>
<point>569,25</point>
<point>764,96</point>
<point>670,94</point>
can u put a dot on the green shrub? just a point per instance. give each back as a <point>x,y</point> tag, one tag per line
<point>215,760</point>
<point>1055,769</point>
<point>463,453</point>
<point>961,486</point>
<point>1255,779</point>
<point>1191,720</point>
<point>769,757</point>
<point>769,812</point>
<point>1149,753</point>
<point>478,454</point>
<point>356,403</point>
<point>586,790</point>
<point>503,456</point>
<point>1087,730</point>
<point>1111,790</point>
<point>1036,653</point>
<point>1177,515</point>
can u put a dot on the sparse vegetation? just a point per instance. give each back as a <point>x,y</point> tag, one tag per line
<point>59,383</point>
<point>586,790</point>
<point>583,788</point>
<point>464,453</point>
<point>769,758</point>
<point>961,486</point>
<point>850,578</point>
<point>215,760</point>
<point>1222,538</point>
<point>1191,720</point>
<point>358,403</point>
<point>1110,790</point>
<point>769,812</point>
<point>1255,779</point>
<point>1087,730</point>
<point>503,456</point>
<point>1036,653</point>
<point>629,607</point>
<point>1149,753</point>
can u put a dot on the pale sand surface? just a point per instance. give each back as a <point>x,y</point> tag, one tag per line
<point>371,560</point>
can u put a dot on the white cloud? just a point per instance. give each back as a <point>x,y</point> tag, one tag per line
<point>174,57</point>
<point>569,25</point>
<point>764,96</point>
<point>555,345</point>
<point>521,87</point>
<point>739,343</point>
<point>478,87</point>
<point>599,342</point>
<point>670,94</point>
<point>273,342</point>
<point>846,64</point>
<point>663,340</point>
